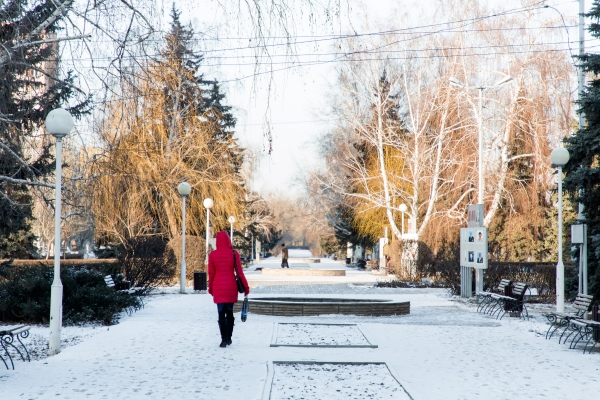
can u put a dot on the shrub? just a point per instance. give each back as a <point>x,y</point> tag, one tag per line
<point>195,255</point>
<point>147,261</point>
<point>25,294</point>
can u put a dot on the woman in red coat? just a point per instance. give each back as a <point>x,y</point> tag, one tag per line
<point>222,285</point>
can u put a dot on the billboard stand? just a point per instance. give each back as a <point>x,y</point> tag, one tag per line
<point>473,251</point>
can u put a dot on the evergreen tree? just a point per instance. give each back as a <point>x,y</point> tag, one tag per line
<point>176,127</point>
<point>582,172</point>
<point>192,90</point>
<point>29,89</point>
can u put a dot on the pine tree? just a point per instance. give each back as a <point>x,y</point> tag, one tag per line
<point>192,90</point>
<point>582,172</point>
<point>28,91</point>
<point>175,127</point>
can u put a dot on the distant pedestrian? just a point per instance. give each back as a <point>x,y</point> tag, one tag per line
<point>284,256</point>
<point>222,285</point>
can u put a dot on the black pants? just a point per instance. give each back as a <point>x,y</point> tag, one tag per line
<point>284,263</point>
<point>225,311</point>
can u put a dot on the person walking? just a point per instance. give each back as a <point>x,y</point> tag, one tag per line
<point>222,285</point>
<point>284,256</point>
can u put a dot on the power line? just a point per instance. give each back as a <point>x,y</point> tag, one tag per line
<point>408,30</point>
<point>161,58</point>
<point>313,63</point>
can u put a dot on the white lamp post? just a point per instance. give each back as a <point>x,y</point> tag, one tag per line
<point>231,220</point>
<point>184,190</point>
<point>208,203</point>
<point>58,123</point>
<point>455,82</point>
<point>403,209</point>
<point>559,157</point>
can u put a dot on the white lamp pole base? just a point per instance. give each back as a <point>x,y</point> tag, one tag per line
<point>56,292</point>
<point>56,295</point>
<point>183,272</point>
<point>560,267</point>
<point>560,287</point>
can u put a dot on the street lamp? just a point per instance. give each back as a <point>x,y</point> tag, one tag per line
<point>455,82</point>
<point>208,203</point>
<point>58,123</point>
<point>231,220</point>
<point>403,209</point>
<point>559,157</point>
<point>501,82</point>
<point>184,190</point>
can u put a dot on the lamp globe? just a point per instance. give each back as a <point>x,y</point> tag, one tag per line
<point>560,156</point>
<point>184,188</point>
<point>59,122</point>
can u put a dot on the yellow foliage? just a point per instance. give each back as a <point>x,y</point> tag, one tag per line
<point>156,140</point>
<point>370,220</point>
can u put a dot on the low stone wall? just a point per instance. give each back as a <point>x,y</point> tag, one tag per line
<point>304,260</point>
<point>299,307</point>
<point>302,272</point>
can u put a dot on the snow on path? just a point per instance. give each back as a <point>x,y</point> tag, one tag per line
<point>443,350</point>
<point>335,382</point>
<point>313,334</point>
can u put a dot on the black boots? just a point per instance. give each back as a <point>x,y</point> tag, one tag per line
<point>224,331</point>
<point>226,328</point>
<point>230,324</point>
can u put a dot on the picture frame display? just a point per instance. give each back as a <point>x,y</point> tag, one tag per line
<point>474,247</point>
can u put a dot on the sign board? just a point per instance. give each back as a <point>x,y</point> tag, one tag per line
<point>475,216</point>
<point>474,247</point>
<point>577,236</point>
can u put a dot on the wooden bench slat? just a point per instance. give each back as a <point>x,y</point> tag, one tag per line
<point>21,330</point>
<point>582,302</point>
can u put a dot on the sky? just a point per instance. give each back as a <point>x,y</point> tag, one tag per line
<point>298,97</point>
<point>294,99</point>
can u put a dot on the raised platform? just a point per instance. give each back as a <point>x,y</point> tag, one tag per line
<point>297,306</point>
<point>302,272</point>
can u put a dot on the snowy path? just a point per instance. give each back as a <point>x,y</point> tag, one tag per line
<point>443,350</point>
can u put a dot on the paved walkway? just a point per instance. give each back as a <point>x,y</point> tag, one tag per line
<point>442,350</point>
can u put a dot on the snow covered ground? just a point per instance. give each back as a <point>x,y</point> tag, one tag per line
<point>169,350</point>
<point>335,382</point>
<point>353,275</point>
<point>319,335</point>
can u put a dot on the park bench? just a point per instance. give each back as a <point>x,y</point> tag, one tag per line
<point>7,341</point>
<point>127,291</point>
<point>513,303</point>
<point>582,305</point>
<point>582,329</point>
<point>486,299</point>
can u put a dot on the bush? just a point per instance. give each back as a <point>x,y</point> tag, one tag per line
<point>397,283</point>
<point>147,261</point>
<point>195,255</point>
<point>445,270</point>
<point>541,276</point>
<point>25,294</point>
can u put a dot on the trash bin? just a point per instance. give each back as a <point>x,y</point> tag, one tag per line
<point>348,260</point>
<point>200,281</point>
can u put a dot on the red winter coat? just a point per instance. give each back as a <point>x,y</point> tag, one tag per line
<point>221,279</point>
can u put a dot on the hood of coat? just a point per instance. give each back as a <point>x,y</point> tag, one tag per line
<point>223,241</point>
